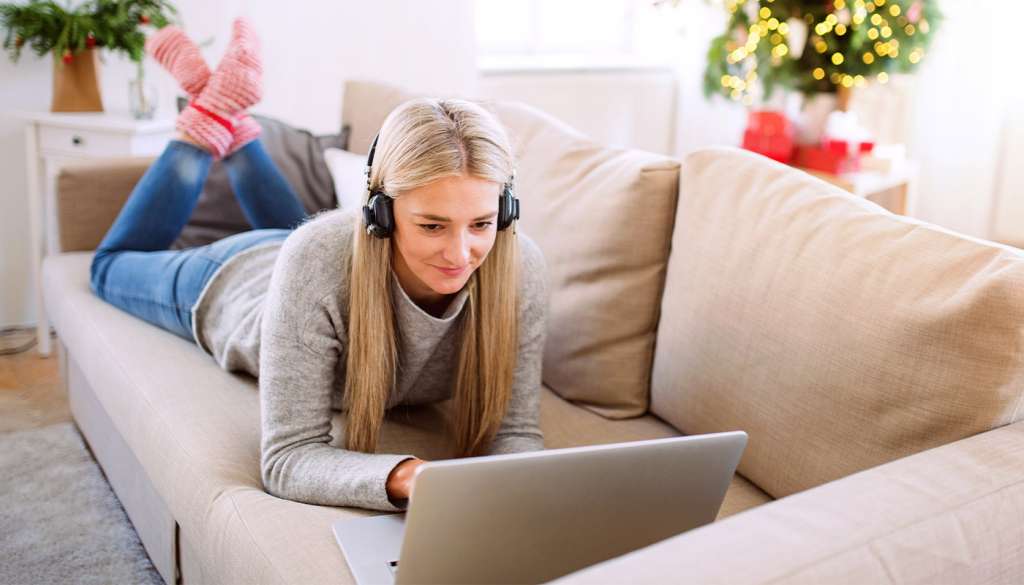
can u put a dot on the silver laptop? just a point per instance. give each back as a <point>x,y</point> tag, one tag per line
<point>533,517</point>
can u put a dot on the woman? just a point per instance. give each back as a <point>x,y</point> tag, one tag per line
<point>436,303</point>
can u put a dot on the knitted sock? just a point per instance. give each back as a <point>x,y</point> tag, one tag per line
<point>172,48</point>
<point>177,53</point>
<point>213,117</point>
<point>246,130</point>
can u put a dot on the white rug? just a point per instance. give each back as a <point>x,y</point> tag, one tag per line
<point>59,520</point>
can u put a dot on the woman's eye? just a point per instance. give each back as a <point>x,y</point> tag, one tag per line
<point>482,225</point>
<point>430,227</point>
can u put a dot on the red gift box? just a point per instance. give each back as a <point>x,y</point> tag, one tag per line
<point>833,156</point>
<point>771,134</point>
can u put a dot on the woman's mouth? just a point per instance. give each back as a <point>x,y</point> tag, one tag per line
<point>451,271</point>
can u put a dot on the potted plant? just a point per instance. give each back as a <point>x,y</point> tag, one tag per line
<point>72,36</point>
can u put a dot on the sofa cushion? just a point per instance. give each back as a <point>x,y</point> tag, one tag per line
<point>348,172</point>
<point>568,425</point>
<point>195,429</point>
<point>948,515</point>
<point>603,218</point>
<point>298,155</point>
<point>837,335</point>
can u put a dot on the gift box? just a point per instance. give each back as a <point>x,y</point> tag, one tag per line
<point>833,155</point>
<point>771,134</point>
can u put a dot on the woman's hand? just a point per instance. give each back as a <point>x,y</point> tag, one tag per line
<point>400,481</point>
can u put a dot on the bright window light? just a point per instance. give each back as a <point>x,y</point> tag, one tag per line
<point>536,27</point>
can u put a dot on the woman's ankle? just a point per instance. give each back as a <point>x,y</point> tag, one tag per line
<point>185,137</point>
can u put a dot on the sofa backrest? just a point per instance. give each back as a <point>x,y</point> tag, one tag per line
<point>90,195</point>
<point>838,335</point>
<point>603,218</point>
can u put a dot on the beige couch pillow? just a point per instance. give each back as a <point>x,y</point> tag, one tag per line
<point>837,335</point>
<point>603,218</point>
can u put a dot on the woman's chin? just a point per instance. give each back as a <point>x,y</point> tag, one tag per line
<point>447,286</point>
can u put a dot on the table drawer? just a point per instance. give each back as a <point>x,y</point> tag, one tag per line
<point>86,143</point>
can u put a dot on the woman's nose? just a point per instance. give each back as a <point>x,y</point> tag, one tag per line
<point>457,252</point>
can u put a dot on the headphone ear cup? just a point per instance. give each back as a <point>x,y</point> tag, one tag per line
<point>383,215</point>
<point>378,216</point>
<point>508,208</point>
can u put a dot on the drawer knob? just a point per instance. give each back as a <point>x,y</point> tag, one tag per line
<point>77,140</point>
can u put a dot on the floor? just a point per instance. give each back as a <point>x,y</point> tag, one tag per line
<point>30,392</point>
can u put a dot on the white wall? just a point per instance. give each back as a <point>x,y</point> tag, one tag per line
<point>1008,212</point>
<point>309,49</point>
<point>959,108</point>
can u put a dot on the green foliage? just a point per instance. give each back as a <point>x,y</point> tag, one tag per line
<point>45,26</point>
<point>848,43</point>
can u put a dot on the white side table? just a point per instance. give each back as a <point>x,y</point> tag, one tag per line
<point>53,140</point>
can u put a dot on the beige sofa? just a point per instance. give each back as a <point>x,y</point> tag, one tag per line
<point>876,362</point>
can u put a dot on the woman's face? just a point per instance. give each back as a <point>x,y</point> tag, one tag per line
<point>443,232</point>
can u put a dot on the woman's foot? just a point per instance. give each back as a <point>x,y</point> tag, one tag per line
<point>218,114</point>
<point>246,130</point>
<point>181,57</point>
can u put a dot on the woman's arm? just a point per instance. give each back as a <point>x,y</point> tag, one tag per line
<point>299,355</point>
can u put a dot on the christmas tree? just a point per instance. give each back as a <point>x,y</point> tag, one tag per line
<point>816,46</point>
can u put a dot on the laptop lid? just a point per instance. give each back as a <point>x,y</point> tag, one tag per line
<point>533,517</point>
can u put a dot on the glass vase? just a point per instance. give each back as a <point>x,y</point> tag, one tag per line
<point>142,99</point>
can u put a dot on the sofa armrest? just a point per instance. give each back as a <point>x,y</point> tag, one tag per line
<point>89,197</point>
<point>953,514</point>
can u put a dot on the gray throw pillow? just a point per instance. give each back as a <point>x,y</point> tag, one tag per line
<point>300,157</point>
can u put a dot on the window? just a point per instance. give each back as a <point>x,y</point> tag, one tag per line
<point>540,27</point>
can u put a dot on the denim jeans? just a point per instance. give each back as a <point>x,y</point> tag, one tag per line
<point>134,270</point>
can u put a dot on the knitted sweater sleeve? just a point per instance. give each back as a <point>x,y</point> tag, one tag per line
<point>300,349</point>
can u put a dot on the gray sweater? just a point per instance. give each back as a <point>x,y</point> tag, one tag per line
<point>279,312</point>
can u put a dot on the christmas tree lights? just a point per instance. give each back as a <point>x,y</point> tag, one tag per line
<point>815,46</point>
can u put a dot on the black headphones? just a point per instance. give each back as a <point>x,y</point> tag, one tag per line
<point>380,220</point>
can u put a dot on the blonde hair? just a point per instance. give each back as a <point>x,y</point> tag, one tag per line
<point>421,141</point>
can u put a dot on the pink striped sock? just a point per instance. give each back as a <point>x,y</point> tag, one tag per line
<point>220,109</point>
<point>246,130</point>
<point>180,56</point>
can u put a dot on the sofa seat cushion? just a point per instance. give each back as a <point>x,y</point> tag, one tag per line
<point>195,430</point>
<point>948,515</point>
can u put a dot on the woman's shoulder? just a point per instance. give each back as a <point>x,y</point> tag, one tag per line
<point>326,234</point>
<point>314,257</point>
<point>532,269</point>
<point>531,258</point>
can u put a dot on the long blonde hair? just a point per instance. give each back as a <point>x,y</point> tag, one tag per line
<point>421,141</point>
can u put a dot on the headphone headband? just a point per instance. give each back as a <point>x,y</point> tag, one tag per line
<point>378,213</point>
<point>369,160</point>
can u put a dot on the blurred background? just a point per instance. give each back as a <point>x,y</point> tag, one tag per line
<point>631,73</point>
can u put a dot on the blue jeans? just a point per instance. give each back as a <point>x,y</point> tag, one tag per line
<point>134,270</point>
